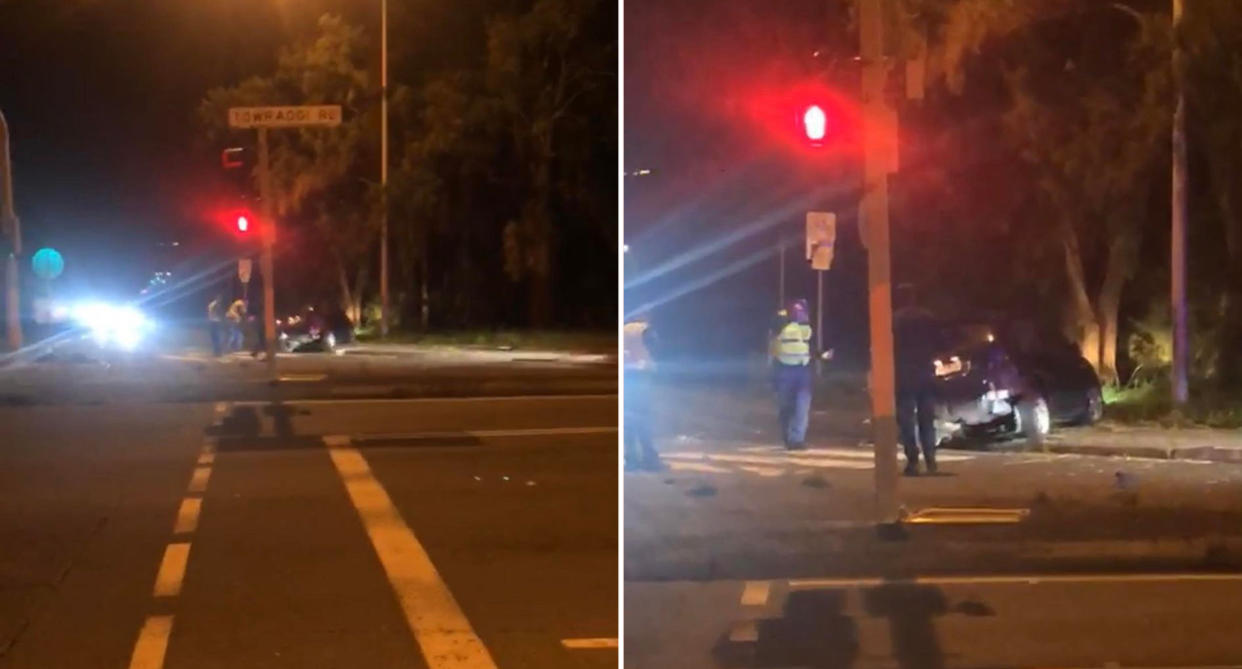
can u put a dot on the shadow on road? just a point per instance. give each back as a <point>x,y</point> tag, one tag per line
<point>816,631</point>
<point>243,429</point>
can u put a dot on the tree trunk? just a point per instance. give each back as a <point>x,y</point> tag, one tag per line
<point>425,295</point>
<point>1122,254</point>
<point>539,237</point>
<point>1084,326</point>
<point>347,296</point>
<point>1229,342</point>
<point>360,282</point>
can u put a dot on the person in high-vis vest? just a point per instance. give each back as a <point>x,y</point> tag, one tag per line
<point>792,373</point>
<point>638,341</point>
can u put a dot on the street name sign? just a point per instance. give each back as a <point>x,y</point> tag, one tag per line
<point>285,117</point>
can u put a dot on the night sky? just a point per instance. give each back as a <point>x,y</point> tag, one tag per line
<point>100,96</point>
<point>726,182</point>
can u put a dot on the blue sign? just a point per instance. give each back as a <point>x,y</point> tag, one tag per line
<point>47,264</point>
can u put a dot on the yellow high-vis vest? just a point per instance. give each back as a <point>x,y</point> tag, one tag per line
<point>793,345</point>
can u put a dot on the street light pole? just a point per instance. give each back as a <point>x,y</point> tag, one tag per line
<point>874,216</point>
<point>1177,265</point>
<point>384,168</point>
<point>10,227</point>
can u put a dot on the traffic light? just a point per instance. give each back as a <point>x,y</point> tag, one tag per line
<point>233,158</point>
<point>243,223</point>
<point>814,124</point>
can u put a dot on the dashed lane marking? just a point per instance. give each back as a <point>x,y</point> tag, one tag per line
<point>590,644</point>
<point>198,482</point>
<point>439,626</point>
<point>152,643</point>
<point>172,570</point>
<point>756,593</point>
<point>187,515</point>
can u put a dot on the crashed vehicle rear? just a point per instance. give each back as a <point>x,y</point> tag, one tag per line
<point>988,390</point>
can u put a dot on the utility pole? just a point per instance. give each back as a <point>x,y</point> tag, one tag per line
<point>10,227</point>
<point>819,321</point>
<point>874,219</point>
<point>269,240</point>
<point>1177,264</point>
<point>384,168</point>
<point>781,248</point>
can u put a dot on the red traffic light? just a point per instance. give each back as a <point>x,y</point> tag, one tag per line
<point>243,223</point>
<point>232,158</point>
<point>814,124</point>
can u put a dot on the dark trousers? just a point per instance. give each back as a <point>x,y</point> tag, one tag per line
<point>916,424</point>
<point>793,398</point>
<point>217,338</point>
<point>639,436</point>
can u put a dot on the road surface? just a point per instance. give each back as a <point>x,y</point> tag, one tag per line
<point>362,532</point>
<point>744,555</point>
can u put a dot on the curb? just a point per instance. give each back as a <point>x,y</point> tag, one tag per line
<point>1197,453</point>
<point>860,556</point>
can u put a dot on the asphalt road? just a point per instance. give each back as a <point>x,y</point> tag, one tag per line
<point>744,555</point>
<point>446,532</point>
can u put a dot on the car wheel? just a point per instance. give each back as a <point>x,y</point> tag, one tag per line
<point>1095,407</point>
<point>1033,420</point>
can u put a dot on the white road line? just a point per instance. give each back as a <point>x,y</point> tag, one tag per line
<point>590,644</point>
<point>673,465</point>
<point>172,570</point>
<point>756,593</point>
<point>206,457</point>
<point>432,400</point>
<point>767,472</point>
<point>187,515</point>
<point>152,643</point>
<point>198,482</point>
<point>1015,579</point>
<point>297,378</point>
<point>485,434</point>
<point>441,629</point>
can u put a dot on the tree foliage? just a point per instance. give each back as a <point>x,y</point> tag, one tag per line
<point>509,125</point>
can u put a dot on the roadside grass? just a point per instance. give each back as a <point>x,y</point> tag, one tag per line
<point>555,340</point>
<point>1152,403</point>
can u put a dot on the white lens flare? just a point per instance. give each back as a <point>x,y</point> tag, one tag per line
<point>123,326</point>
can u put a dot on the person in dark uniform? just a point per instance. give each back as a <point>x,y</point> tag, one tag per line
<point>917,341</point>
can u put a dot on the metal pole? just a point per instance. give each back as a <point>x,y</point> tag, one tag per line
<point>781,248</point>
<point>874,212</point>
<point>1177,265</point>
<point>10,226</point>
<point>269,239</point>
<point>384,167</point>
<point>819,320</point>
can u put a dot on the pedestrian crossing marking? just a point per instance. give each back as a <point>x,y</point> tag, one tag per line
<point>697,467</point>
<point>762,471</point>
<point>772,461</point>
